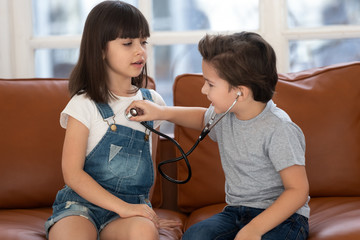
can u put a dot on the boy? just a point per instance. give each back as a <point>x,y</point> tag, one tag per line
<point>262,151</point>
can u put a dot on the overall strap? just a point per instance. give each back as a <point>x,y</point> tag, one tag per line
<point>105,110</point>
<point>147,96</point>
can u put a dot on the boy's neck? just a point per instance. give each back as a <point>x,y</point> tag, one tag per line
<point>250,110</point>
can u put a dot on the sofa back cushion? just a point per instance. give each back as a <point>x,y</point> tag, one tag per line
<point>31,141</point>
<point>206,185</point>
<point>324,102</point>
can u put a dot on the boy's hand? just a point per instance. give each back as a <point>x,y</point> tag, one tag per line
<point>146,111</point>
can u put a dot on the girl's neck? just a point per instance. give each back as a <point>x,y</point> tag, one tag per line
<point>122,88</point>
<point>128,92</point>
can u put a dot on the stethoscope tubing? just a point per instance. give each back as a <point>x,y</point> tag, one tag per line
<point>184,155</point>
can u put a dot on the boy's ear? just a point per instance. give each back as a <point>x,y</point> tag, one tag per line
<point>242,91</point>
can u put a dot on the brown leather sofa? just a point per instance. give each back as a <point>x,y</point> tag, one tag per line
<point>30,158</point>
<point>324,102</point>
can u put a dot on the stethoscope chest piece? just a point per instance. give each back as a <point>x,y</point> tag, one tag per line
<point>132,113</point>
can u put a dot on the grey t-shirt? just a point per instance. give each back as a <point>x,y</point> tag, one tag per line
<point>254,151</point>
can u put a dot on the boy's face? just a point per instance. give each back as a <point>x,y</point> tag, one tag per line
<point>218,90</point>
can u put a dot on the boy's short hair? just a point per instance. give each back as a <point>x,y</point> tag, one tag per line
<point>242,59</point>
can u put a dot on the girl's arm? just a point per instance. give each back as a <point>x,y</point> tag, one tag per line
<point>75,177</point>
<point>294,197</point>
<point>191,117</point>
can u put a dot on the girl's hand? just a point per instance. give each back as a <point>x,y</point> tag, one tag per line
<point>146,111</point>
<point>143,210</point>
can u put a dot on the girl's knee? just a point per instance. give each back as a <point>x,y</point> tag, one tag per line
<point>132,228</point>
<point>73,227</point>
<point>145,230</point>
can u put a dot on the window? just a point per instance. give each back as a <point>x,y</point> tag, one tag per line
<point>59,18</point>
<point>322,52</point>
<point>43,37</point>
<point>328,21</point>
<point>195,17</point>
<point>323,13</point>
<point>190,15</point>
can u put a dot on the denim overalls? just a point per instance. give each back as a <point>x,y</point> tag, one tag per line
<point>121,163</point>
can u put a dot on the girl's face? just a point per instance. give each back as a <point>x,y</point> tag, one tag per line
<point>125,57</point>
<point>218,90</point>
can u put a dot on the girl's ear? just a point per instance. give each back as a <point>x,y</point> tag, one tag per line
<point>103,51</point>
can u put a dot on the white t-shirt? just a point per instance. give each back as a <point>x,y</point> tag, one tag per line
<point>84,110</point>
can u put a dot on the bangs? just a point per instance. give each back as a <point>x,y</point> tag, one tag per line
<point>134,26</point>
<point>122,20</point>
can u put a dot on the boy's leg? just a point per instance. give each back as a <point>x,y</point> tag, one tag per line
<point>221,226</point>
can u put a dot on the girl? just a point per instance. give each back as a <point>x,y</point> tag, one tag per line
<point>106,162</point>
<point>262,151</point>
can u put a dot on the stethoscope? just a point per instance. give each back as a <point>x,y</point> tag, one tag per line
<point>134,112</point>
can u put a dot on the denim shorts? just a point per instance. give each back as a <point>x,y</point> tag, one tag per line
<point>96,215</point>
<point>225,226</point>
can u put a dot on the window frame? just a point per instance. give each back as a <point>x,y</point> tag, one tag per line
<point>17,45</point>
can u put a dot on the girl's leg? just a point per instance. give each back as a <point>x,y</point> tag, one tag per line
<point>73,227</point>
<point>130,228</point>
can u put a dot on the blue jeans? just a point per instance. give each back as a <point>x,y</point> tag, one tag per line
<point>225,226</point>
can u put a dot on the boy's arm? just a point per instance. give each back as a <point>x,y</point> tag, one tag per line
<point>191,117</point>
<point>294,197</point>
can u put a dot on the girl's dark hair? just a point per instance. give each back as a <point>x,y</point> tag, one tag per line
<point>242,59</point>
<point>107,21</point>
